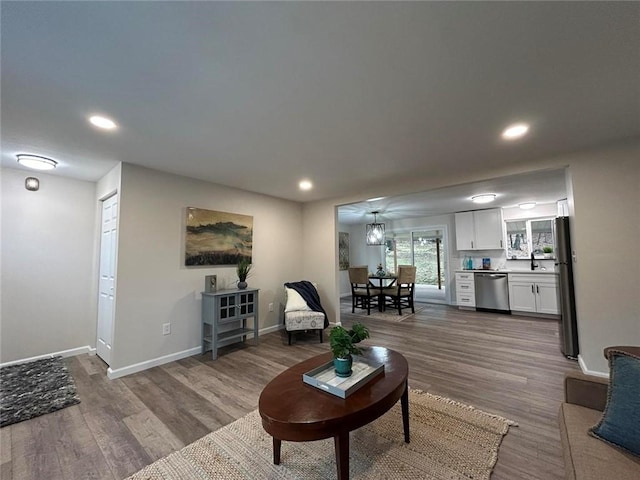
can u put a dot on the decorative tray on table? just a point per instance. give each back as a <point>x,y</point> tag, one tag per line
<point>324,377</point>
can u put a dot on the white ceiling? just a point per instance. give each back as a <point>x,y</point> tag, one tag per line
<point>542,187</point>
<point>257,95</point>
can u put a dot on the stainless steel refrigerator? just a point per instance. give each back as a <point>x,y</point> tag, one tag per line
<point>567,299</point>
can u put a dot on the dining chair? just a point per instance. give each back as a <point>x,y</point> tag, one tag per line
<point>363,293</point>
<point>401,294</point>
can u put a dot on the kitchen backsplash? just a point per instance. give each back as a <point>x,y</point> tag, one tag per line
<point>499,261</point>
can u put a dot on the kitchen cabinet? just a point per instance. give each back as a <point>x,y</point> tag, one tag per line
<point>224,318</point>
<point>465,289</point>
<point>534,293</point>
<point>479,230</point>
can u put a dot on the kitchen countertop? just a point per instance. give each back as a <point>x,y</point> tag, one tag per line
<point>537,271</point>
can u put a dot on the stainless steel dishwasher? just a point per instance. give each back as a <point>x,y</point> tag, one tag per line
<point>492,291</point>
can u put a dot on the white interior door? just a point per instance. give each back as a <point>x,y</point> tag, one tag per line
<point>106,298</point>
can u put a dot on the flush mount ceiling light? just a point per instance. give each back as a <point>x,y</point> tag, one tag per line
<point>36,162</point>
<point>527,205</point>
<point>305,185</point>
<point>102,122</point>
<point>375,231</point>
<point>32,184</point>
<point>515,131</point>
<point>484,198</point>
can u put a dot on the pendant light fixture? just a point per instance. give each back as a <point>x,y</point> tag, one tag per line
<point>375,231</point>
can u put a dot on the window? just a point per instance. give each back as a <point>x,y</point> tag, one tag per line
<point>423,249</point>
<point>517,240</point>
<point>531,235</point>
<point>398,252</point>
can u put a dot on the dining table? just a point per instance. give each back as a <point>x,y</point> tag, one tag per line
<point>381,285</point>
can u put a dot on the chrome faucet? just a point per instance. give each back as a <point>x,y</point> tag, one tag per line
<point>533,264</point>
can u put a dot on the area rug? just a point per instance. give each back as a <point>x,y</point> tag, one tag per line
<point>448,441</point>
<point>32,389</point>
<point>390,315</point>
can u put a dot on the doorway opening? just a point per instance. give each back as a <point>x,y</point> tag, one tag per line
<point>426,250</point>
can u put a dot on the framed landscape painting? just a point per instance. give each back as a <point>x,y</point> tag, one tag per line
<point>217,238</point>
<point>343,250</point>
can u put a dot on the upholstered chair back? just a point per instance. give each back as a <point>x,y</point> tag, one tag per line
<point>359,275</point>
<point>406,274</point>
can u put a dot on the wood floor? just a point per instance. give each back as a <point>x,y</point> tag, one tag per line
<point>502,364</point>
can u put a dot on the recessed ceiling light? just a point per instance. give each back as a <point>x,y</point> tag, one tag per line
<point>515,131</point>
<point>103,122</point>
<point>527,205</point>
<point>484,198</point>
<point>36,162</point>
<point>305,185</point>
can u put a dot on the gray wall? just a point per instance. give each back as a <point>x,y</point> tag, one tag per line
<point>154,286</point>
<point>605,233</point>
<point>48,295</point>
<point>49,255</point>
<point>605,223</point>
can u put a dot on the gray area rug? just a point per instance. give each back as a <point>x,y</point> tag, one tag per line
<point>449,441</point>
<point>389,314</point>
<point>32,389</point>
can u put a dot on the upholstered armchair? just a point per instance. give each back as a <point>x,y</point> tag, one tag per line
<point>303,311</point>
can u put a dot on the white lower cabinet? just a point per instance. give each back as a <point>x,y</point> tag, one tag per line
<point>465,289</point>
<point>534,293</point>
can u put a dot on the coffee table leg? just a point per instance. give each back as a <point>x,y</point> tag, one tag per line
<point>276,451</point>
<point>404,400</point>
<point>342,455</point>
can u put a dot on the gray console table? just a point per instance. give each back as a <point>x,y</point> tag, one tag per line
<point>224,317</point>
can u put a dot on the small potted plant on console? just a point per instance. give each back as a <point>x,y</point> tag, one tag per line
<point>343,345</point>
<point>243,269</point>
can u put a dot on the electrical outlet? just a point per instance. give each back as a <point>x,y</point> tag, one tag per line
<point>166,329</point>
<point>271,307</point>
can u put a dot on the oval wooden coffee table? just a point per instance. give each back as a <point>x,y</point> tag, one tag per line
<point>294,411</point>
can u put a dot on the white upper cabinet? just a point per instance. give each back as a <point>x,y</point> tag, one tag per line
<point>488,224</point>
<point>465,231</point>
<point>479,230</point>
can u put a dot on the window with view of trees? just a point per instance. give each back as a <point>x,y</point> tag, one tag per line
<point>530,236</point>
<point>420,249</point>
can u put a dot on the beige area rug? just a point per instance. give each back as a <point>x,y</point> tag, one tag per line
<point>448,441</point>
<point>390,315</point>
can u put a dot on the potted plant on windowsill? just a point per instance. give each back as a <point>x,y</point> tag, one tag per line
<point>243,269</point>
<point>343,346</point>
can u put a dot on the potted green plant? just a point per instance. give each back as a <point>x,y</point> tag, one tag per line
<point>243,269</point>
<point>548,251</point>
<point>343,346</point>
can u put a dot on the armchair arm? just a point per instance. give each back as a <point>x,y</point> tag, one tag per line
<point>586,390</point>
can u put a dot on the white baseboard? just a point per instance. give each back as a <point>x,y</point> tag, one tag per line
<point>154,362</point>
<point>273,328</point>
<point>72,352</point>
<point>585,370</point>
